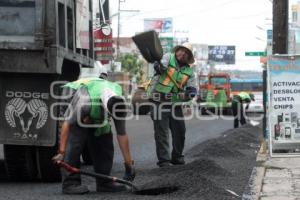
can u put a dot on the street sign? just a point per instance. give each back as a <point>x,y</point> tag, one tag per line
<point>221,54</point>
<point>255,53</point>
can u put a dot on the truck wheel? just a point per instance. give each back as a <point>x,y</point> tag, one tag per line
<point>48,171</point>
<point>20,162</point>
<point>86,156</point>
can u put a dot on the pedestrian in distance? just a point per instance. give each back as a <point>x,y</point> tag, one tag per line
<point>86,122</point>
<point>173,83</point>
<point>237,106</point>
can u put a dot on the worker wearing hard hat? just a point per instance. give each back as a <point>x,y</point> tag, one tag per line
<point>173,84</point>
<point>237,106</point>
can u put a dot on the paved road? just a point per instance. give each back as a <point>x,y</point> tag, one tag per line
<point>143,149</point>
<point>142,137</point>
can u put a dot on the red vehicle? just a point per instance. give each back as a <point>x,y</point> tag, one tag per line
<point>215,92</point>
<point>214,82</point>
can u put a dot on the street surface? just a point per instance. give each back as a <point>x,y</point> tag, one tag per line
<point>143,151</point>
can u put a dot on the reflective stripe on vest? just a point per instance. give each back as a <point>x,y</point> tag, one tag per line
<point>170,72</point>
<point>165,83</point>
<point>183,80</point>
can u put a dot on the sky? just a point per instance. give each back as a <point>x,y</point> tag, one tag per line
<point>241,23</point>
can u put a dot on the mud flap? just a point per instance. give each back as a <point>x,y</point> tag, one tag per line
<point>26,110</point>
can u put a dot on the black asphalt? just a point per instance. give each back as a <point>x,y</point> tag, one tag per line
<point>219,163</point>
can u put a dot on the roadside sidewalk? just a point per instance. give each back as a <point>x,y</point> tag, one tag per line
<point>274,179</point>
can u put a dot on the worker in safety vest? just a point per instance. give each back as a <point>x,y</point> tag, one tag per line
<point>86,121</point>
<point>238,107</point>
<point>173,83</point>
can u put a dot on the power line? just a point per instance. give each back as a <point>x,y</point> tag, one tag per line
<point>185,8</point>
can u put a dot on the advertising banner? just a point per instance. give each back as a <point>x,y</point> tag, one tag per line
<point>284,102</point>
<point>221,54</point>
<point>82,24</point>
<point>160,25</point>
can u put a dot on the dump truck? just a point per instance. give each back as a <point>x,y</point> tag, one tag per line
<point>217,96</point>
<point>43,44</point>
<point>202,85</point>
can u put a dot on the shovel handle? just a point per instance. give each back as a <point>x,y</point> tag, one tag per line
<point>176,84</point>
<point>67,167</point>
<point>75,170</point>
<point>111,178</point>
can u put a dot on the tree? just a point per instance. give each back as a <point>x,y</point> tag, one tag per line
<point>132,64</point>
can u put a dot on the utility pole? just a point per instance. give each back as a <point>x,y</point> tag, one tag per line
<point>280,26</point>
<point>279,44</point>
<point>119,24</point>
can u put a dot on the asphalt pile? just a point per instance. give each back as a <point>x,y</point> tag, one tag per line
<point>217,169</point>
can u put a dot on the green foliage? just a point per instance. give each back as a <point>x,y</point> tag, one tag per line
<point>132,64</point>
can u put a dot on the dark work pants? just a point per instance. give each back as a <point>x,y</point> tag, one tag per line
<point>162,124</point>
<point>238,114</point>
<point>101,150</point>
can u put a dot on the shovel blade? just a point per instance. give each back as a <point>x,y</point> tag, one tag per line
<point>149,45</point>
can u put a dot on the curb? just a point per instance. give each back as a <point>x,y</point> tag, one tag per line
<point>254,187</point>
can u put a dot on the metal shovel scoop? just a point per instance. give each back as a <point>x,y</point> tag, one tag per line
<point>75,170</point>
<point>134,189</point>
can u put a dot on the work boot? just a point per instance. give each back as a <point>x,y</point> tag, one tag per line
<point>75,189</point>
<point>178,161</point>
<point>164,164</point>
<point>111,187</point>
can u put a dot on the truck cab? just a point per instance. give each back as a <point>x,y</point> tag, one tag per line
<point>217,98</point>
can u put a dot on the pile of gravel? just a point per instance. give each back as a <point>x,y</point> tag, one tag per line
<point>218,169</point>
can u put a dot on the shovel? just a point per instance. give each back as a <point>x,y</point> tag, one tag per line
<point>134,189</point>
<point>150,47</point>
<point>75,170</point>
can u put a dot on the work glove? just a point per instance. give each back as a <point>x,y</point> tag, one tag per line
<point>156,66</point>
<point>129,172</point>
<point>58,157</point>
<point>190,92</point>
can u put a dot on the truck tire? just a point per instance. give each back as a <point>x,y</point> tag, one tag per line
<point>20,162</point>
<point>48,172</point>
